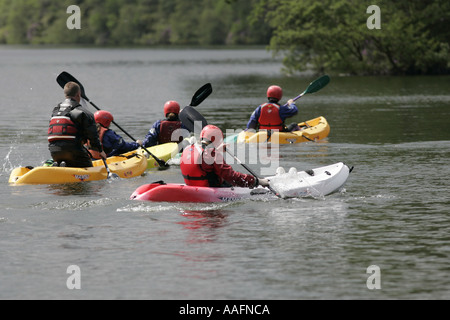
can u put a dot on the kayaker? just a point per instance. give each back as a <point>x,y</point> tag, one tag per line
<point>271,115</point>
<point>113,144</point>
<point>71,125</point>
<point>203,164</point>
<point>162,130</point>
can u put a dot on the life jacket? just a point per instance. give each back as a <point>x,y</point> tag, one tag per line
<point>166,129</point>
<point>193,174</point>
<point>94,153</point>
<point>270,117</point>
<point>61,126</point>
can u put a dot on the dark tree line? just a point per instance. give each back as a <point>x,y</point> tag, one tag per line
<point>327,36</point>
<point>132,22</point>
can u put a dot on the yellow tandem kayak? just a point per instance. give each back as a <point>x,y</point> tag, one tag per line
<point>123,166</point>
<point>128,165</point>
<point>311,130</point>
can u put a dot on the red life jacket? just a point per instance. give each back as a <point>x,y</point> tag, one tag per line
<point>61,126</point>
<point>270,117</point>
<point>166,129</point>
<point>190,165</point>
<point>94,153</point>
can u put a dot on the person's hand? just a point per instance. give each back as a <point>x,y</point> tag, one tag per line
<point>103,155</point>
<point>263,182</point>
<point>139,142</point>
<point>290,101</point>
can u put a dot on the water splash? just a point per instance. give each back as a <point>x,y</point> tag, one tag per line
<point>145,208</point>
<point>73,205</point>
<point>7,164</point>
<point>183,208</point>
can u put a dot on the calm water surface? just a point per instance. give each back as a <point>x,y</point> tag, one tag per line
<point>393,213</point>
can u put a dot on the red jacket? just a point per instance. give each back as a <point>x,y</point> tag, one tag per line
<point>207,168</point>
<point>270,117</point>
<point>166,130</point>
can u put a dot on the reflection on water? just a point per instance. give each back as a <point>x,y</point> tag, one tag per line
<point>79,189</point>
<point>203,225</point>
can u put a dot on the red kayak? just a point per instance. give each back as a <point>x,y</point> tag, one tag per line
<point>171,192</point>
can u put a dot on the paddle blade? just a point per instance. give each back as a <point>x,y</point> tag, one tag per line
<point>318,84</point>
<point>65,77</point>
<point>201,94</point>
<point>113,176</point>
<point>162,165</point>
<point>192,119</point>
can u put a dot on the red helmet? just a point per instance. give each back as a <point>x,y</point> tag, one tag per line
<point>171,107</point>
<point>104,118</point>
<point>212,134</point>
<point>274,92</point>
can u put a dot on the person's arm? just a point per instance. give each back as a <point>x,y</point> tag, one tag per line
<point>289,111</point>
<point>151,139</point>
<point>253,122</point>
<point>114,142</point>
<point>235,178</point>
<point>86,123</point>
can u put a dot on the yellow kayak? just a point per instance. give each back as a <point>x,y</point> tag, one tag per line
<point>163,151</point>
<point>124,166</point>
<point>311,130</point>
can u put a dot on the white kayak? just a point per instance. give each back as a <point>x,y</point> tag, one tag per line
<point>315,183</point>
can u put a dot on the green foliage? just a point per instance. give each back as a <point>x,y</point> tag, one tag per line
<point>130,22</point>
<point>332,35</point>
<point>327,36</point>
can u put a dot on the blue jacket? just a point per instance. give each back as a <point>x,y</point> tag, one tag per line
<point>113,144</point>
<point>285,112</point>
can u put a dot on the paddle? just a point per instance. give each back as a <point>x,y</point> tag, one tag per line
<point>110,174</point>
<point>191,117</point>
<point>314,86</point>
<point>201,94</point>
<point>65,77</point>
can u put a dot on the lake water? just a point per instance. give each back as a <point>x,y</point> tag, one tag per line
<point>393,212</point>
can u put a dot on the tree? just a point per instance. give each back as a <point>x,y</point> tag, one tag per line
<point>132,22</point>
<point>22,21</point>
<point>332,35</point>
